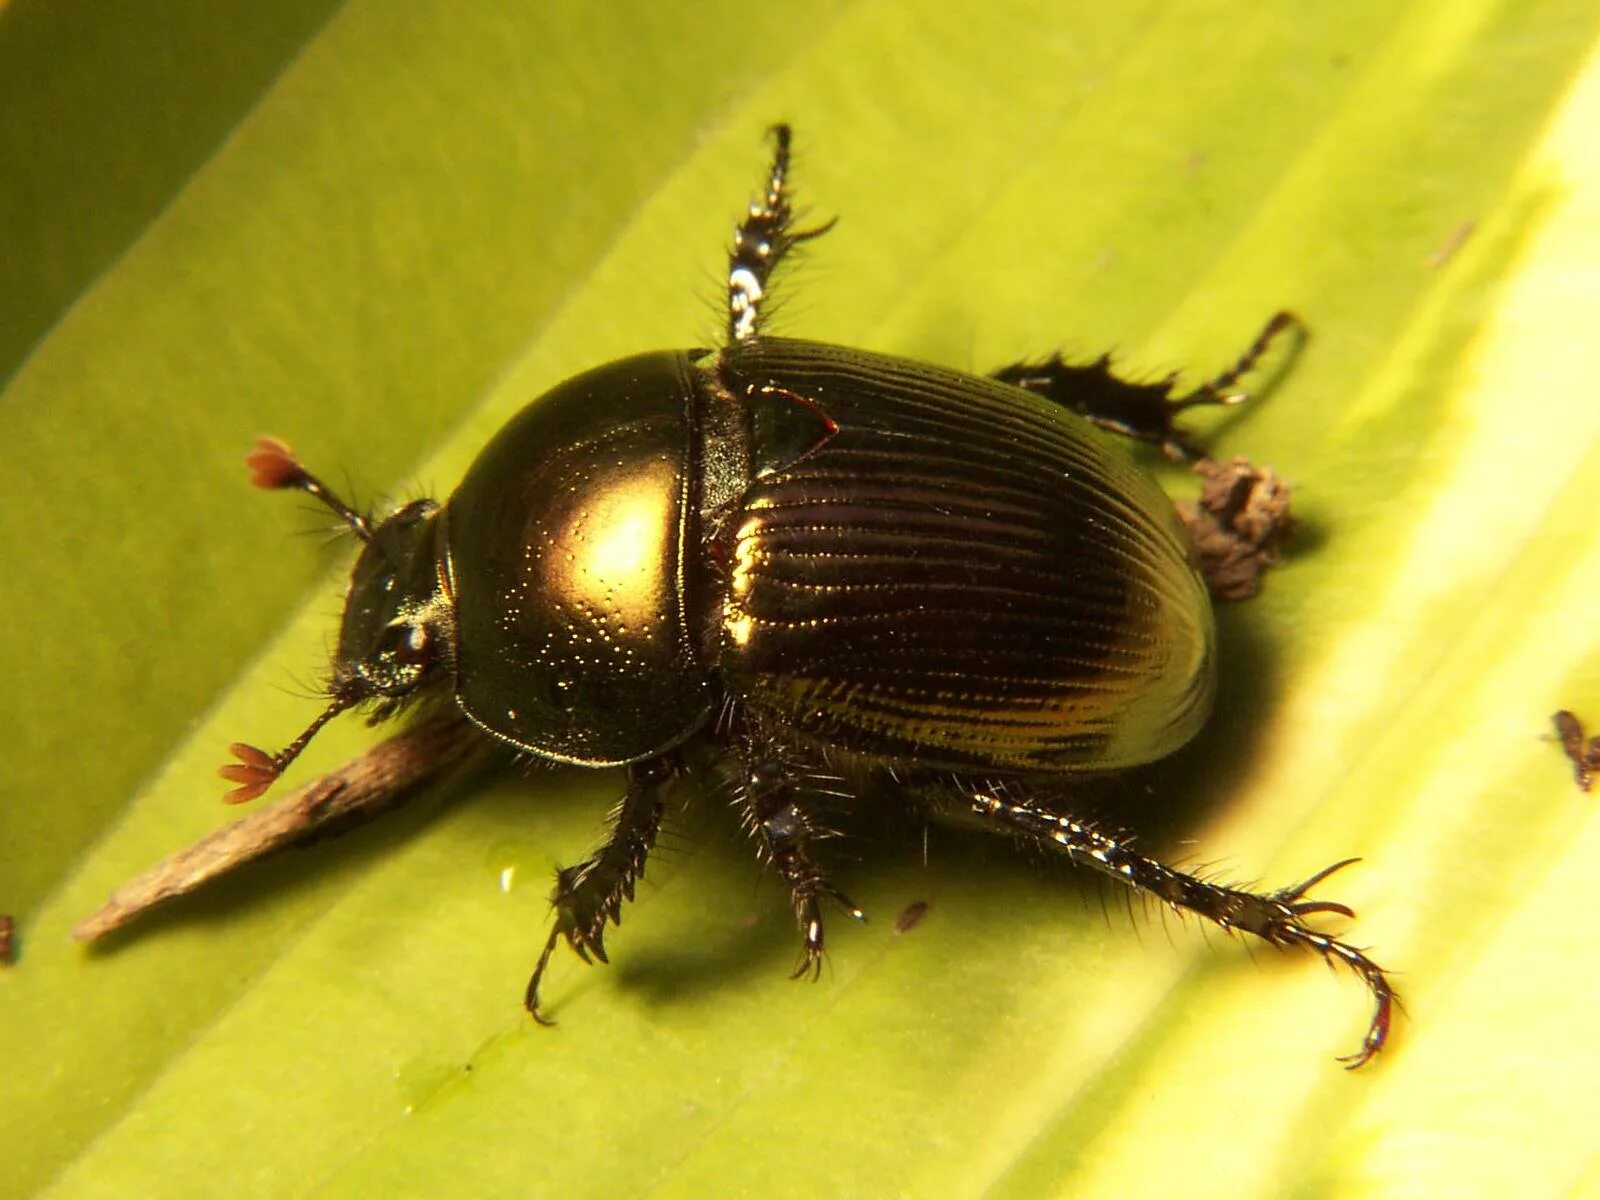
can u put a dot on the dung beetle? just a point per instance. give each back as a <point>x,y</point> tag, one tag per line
<point>795,562</point>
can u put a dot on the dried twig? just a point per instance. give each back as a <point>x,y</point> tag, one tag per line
<point>367,786</point>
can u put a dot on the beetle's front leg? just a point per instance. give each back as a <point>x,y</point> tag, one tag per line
<point>592,892</point>
<point>1145,411</point>
<point>1275,917</point>
<point>760,244</point>
<point>775,811</point>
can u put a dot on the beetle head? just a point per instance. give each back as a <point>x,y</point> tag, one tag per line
<point>395,632</point>
<point>396,636</point>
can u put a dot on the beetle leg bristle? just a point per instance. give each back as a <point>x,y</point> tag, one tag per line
<point>1290,894</point>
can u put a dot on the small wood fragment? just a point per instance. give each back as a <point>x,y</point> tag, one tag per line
<point>367,786</point>
<point>911,916</point>
<point>1454,240</point>
<point>8,940</point>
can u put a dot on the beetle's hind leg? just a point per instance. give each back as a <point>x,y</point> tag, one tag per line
<point>781,816</point>
<point>760,244</point>
<point>1145,411</point>
<point>1220,388</point>
<point>1278,918</point>
<point>591,893</point>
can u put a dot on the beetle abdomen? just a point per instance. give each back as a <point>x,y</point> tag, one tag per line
<point>963,573</point>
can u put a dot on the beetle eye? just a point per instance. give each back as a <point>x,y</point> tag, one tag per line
<point>397,664</point>
<point>413,647</point>
<point>408,644</point>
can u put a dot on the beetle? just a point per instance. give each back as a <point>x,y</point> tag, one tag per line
<point>791,561</point>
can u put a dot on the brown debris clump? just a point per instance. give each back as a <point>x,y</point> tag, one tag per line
<point>1585,754</point>
<point>1237,525</point>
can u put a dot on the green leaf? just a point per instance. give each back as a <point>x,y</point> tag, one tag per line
<point>417,217</point>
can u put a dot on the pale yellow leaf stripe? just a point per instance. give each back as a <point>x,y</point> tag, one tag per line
<point>1489,1086</point>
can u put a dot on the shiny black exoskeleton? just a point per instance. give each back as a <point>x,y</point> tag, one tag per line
<point>821,562</point>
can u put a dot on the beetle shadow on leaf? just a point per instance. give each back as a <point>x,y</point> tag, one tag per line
<point>1306,538</point>
<point>1161,803</point>
<point>727,921</point>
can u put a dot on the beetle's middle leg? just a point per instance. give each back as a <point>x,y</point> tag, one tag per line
<point>1144,411</point>
<point>592,892</point>
<point>777,812</point>
<point>1278,918</point>
<point>760,244</point>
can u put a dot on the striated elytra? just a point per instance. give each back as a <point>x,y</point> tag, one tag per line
<point>818,574</point>
<point>897,560</point>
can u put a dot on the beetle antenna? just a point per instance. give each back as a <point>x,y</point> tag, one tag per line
<point>256,769</point>
<point>274,467</point>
